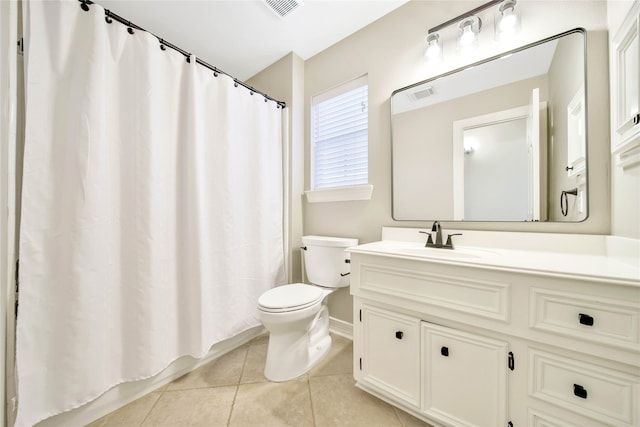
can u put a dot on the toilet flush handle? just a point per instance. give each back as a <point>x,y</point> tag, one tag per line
<point>346,261</point>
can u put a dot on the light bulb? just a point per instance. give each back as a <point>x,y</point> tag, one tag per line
<point>467,37</point>
<point>468,33</point>
<point>508,21</point>
<point>434,50</point>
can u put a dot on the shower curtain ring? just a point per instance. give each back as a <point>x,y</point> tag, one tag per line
<point>162,46</point>
<point>84,6</point>
<point>130,29</point>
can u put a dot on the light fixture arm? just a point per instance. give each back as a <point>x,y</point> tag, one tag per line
<point>464,15</point>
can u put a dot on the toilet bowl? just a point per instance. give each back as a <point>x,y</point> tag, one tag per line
<point>296,315</point>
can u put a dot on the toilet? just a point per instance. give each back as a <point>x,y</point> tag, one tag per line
<point>296,315</point>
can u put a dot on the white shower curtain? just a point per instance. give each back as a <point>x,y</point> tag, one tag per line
<point>152,208</point>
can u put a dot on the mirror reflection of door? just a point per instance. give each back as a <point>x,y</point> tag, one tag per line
<point>498,158</point>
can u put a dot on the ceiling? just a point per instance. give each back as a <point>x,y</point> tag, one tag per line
<point>242,37</point>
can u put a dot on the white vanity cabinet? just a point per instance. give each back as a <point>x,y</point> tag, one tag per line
<point>460,343</point>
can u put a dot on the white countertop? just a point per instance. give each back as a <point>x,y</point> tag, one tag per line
<point>595,258</point>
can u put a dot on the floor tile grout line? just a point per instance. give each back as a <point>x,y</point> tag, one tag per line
<point>152,407</point>
<point>395,412</point>
<point>235,395</point>
<point>313,411</point>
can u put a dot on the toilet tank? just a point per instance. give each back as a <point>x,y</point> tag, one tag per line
<point>325,260</point>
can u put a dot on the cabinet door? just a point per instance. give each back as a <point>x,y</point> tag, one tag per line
<point>626,47</point>
<point>391,353</point>
<point>465,377</point>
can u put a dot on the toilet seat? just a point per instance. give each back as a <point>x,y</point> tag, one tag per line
<point>292,297</point>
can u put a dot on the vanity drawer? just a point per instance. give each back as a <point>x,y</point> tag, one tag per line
<point>485,298</point>
<point>601,320</point>
<point>540,419</point>
<point>594,391</point>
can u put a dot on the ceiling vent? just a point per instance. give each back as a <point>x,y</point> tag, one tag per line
<point>283,7</point>
<point>420,94</point>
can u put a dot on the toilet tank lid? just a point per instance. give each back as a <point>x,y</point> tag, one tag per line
<point>336,242</point>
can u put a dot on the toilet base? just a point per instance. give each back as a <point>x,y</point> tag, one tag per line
<point>294,353</point>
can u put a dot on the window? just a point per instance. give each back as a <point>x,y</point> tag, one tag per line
<point>339,137</point>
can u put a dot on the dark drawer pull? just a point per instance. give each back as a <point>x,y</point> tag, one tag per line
<point>579,391</point>
<point>636,119</point>
<point>444,351</point>
<point>399,334</point>
<point>585,319</point>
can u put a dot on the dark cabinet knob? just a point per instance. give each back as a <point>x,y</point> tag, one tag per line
<point>444,351</point>
<point>399,334</point>
<point>579,391</point>
<point>585,319</point>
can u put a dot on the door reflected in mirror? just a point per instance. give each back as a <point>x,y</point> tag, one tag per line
<point>497,141</point>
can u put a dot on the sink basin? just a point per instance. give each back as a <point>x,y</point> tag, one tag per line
<point>419,250</point>
<point>446,253</point>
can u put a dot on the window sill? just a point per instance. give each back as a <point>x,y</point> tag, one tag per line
<point>340,194</point>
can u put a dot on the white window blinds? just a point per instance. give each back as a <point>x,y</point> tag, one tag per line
<point>340,128</point>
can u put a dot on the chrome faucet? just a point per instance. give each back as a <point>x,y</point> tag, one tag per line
<point>438,243</point>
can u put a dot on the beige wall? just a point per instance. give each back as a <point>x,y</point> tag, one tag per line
<point>284,80</point>
<point>390,51</point>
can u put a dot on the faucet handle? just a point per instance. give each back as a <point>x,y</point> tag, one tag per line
<point>449,243</point>
<point>429,239</point>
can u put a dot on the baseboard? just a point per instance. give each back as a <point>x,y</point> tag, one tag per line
<point>125,393</point>
<point>340,327</point>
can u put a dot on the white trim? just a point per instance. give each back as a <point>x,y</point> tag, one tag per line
<point>340,194</point>
<point>9,220</point>
<point>340,89</point>
<point>627,152</point>
<point>340,327</point>
<point>576,134</point>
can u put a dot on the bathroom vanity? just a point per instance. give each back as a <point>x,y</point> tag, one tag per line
<point>507,329</point>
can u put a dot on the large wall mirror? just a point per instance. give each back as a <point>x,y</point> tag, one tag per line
<point>500,140</point>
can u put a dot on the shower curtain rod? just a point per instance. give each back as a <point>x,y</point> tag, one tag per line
<point>109,17</point>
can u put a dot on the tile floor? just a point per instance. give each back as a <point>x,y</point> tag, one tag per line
<point>232,391</point>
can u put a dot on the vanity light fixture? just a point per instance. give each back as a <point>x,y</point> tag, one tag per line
<point>506,25</point>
